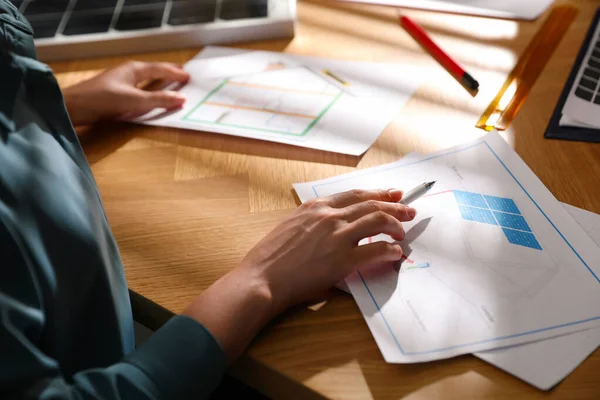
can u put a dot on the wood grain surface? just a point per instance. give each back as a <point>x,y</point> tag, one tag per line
<point>185,206</point>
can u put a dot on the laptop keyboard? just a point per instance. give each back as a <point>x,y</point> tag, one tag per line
<point>588,88</point>
<point>186,12</point>
<point>139,14</point>
<point>78,17</point>
<point>239,9</point>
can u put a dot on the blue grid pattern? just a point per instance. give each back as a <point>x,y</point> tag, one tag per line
<point>470,199</point>
<point>500,204</point>
<point>477,215</point>
<point>522,238</point>
<point>511,221</point>
<point>498,211</point>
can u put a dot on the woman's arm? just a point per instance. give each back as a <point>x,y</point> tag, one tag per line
<point>307,254</point>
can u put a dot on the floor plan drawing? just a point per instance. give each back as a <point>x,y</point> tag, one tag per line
<point>286,101</point>
<point>316,103</point>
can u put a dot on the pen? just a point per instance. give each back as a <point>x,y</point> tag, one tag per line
<point>416,192</point>
<point>440,56</point>
<point>334,76</point>
<point>334,79</point>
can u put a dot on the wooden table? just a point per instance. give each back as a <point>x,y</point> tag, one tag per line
<point>186,206</point>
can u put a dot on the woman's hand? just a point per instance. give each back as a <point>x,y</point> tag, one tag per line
<point>317,246</point>
<point>114,94</point>
<point>306,254</point>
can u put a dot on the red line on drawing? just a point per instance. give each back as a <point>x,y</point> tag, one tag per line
<point>435,194</point>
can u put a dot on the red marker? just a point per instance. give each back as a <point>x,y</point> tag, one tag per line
<point>440,56</point>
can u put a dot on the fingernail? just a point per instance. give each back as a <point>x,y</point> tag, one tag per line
<point>177,96</point>
<point>400,251</point>
<point>411,212</point>
<point>396,192</point>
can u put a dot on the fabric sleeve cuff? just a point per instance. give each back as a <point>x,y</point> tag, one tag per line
<point>182,358</point>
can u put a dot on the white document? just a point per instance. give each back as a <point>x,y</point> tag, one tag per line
<point>583,102</point>
<point>493,258</point>
<point>338,106</point>
<point>565,120</point>
<point>545,363</point>
<point>511,9</point>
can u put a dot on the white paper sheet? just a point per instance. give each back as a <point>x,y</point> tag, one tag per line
<point>290,99</point>
<point>485,286</point>
<point>565,120</point>
<point>586,111</point>
<point>545,363</point>
<point>511,9</point>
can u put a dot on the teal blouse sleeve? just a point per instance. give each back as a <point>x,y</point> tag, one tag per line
<point>66,328</point>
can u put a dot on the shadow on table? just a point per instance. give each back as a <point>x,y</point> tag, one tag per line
<point>261,148</point>
<point>357,354</point>
<point>104,139</point>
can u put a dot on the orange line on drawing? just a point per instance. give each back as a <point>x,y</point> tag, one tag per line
<point>268,87</point>
<point>211,103</point>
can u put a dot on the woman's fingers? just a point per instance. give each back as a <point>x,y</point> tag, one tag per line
<point>158,71</point>
<point>374,253</point>
<point>399,211</point>
<point>355,196</point>
<point>374,224</point>
<point>147,101</point>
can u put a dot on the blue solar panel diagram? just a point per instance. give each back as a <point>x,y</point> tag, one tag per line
<point>498,211</point>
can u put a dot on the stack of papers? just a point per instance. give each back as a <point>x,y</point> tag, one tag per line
<point>494,266</point>
<point>338,106</point>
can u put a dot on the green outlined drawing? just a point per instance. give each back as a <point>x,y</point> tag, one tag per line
<point>221,85</point>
